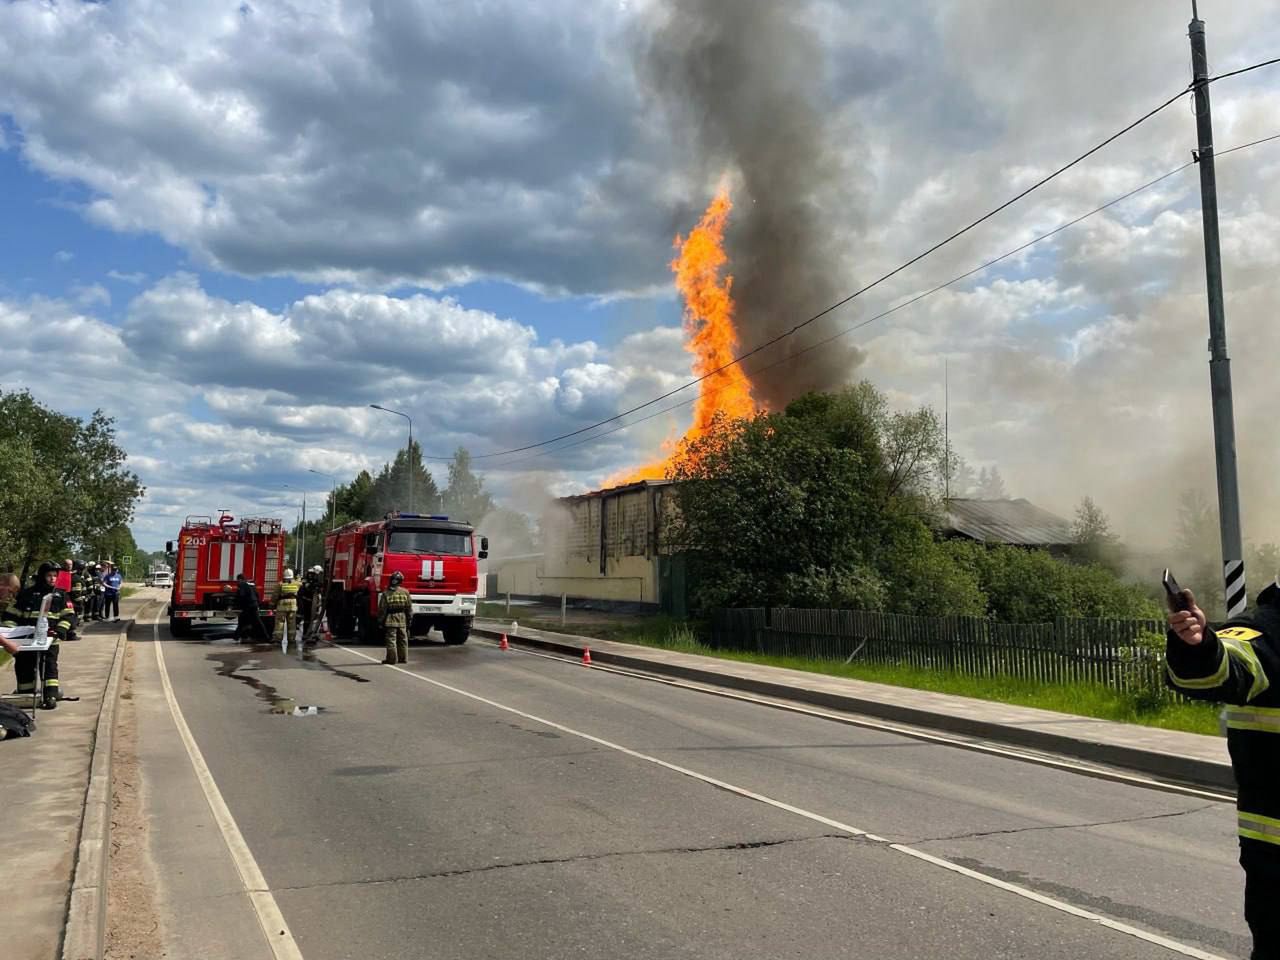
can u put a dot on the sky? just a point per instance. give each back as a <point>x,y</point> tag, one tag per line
<point>233,226</point>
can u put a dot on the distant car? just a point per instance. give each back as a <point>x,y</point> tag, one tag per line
<point>162,579</point>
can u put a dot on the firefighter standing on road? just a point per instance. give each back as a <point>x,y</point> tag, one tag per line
<point>24,611</point>
<point>394,608</point>
<point>309,599</point>
<point>1238,664</point>
<point>286,599</point>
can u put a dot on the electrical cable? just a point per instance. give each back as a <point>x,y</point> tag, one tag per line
<point>879,280</point>
<point>894,309</point>
<point>857,293</point>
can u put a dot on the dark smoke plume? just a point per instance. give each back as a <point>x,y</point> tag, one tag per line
<point>743,78</point>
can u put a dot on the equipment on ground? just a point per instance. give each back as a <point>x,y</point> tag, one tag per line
<point>209,557</point>
<point>435,557</point>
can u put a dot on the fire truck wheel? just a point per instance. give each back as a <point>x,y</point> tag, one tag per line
<point>179,627</point>
<point>367,630</point>
<point>456,634</point>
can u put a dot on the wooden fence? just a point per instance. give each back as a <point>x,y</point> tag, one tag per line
<point>1119,654</point>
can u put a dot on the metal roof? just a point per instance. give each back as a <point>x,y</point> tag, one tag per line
<point>1017,522</point>
<point>614,491</point>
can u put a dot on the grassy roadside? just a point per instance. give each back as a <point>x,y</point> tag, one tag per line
<point>1085,700</point>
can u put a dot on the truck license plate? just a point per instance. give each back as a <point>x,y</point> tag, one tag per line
<point>425,608</point>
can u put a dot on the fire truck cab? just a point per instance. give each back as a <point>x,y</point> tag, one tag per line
<point>437,557</point>
<point>207,560</point>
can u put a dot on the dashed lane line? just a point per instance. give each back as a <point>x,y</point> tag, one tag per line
<point>1182,949</point>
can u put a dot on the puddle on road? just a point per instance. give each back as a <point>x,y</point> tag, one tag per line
<point>242,661</point>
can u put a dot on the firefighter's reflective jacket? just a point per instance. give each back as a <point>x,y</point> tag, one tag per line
<point>287,596</point>
<point>25,611</point>
<point>1238,664</point>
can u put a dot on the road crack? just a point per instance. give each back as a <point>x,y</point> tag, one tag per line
<point>978,834</point>
<point>579,858</point>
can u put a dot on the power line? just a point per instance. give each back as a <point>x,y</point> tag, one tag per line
<point>900,306</point>
<point>857,293</point>
<point>879,280</point>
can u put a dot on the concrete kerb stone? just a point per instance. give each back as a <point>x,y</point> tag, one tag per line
<point>1190,770</point>
<point>86,927</point>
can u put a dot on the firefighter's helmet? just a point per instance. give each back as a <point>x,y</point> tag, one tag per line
<point>47,568</point>
<point>288,576</point>
<point>397,578</point>
<point>317,570</point>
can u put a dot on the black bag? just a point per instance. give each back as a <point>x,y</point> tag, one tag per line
<point>15,722</point>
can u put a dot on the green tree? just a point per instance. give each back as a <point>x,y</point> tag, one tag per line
<point>465,497</point>
<point>77,470</point>
<point>391,487</point>
<point>823,504</point>
<point>115,544</point>
<point>1033,586</point>
<point>1091,532</point>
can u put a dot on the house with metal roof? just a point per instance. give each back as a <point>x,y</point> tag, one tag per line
<point>1019,523</point>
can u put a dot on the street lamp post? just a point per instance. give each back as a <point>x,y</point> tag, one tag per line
<point>408,452</point>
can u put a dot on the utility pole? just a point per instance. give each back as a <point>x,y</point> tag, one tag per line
<point>946,430</point>
<point>1224,430</point>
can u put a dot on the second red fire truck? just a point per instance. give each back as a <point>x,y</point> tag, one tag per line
<point>207,560</point>
<point>437,556</point>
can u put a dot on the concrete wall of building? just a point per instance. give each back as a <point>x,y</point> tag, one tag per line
<point>585,559</point>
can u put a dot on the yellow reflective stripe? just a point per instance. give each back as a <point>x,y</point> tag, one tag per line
<point>1264,719</point>
<point>1257,827</point>
<point>1216,679</point>
<point>1242,650</point>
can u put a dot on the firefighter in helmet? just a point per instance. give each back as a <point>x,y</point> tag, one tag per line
<point>286,599</point>
<point>395,607</point>
<point>1238,663</point>
<point>24,611</point>
<point>309,599</point>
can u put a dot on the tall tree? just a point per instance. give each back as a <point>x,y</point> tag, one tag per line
<point>77,470</point>
<point>391,487</point>
<point>1091,532</point>
<point>465,497</point>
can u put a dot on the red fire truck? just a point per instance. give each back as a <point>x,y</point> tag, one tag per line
<point>208,558</point>
<point>437,557</point>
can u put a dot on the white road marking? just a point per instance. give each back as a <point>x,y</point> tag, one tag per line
<point>914,733</point>
<point>279,937</point>
<point>1183,949</point>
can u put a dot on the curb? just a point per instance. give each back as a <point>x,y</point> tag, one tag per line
<point>86,930</point>
<point>1188,770</point>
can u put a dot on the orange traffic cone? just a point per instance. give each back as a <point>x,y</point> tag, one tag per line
<point>324,630</point>
<point>502,644</point>
<point>586,656</point>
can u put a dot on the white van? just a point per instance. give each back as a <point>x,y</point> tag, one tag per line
<point>162,578</point>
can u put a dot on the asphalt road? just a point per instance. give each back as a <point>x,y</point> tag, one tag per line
<point>543,810</point>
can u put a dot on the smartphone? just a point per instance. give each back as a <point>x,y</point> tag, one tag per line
<point>1173,593</point>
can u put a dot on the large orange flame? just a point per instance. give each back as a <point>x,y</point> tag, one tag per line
<point>709,332</point>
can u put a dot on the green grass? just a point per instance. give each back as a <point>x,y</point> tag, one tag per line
<point>1080,699</point>
<point>127,592</point>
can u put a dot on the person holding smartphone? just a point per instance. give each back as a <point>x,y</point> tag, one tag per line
<point>1238,664</point>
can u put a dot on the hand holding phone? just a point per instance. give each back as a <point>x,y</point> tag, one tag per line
<point>1176,597</point>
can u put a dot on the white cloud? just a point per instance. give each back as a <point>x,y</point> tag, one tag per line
<point>64,256</point>
<point>135,278</point>
<point>221,404</point>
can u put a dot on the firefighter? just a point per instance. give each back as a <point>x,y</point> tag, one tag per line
<point>1238,664</point>
<point>394,609</point>
<point>309,599</point>
<point>24,611</point>
<point>286,599</point>
<point>249,626</point>
<point>79,590</point>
